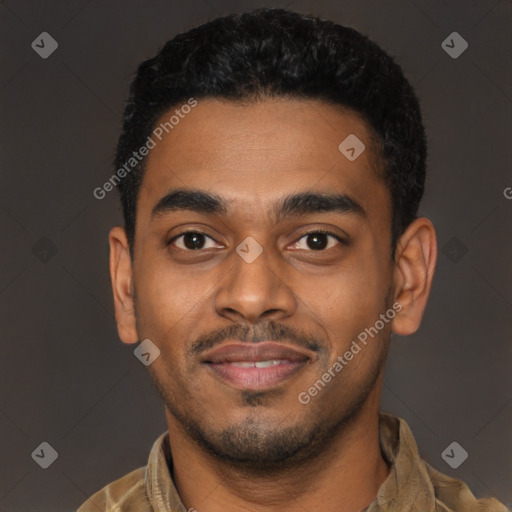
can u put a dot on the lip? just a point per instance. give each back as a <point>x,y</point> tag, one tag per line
<point>261,351</point>
<point>224,362</point>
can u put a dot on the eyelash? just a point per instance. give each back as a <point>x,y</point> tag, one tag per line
<point>315,231</point>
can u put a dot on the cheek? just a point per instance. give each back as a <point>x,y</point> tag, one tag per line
<point>167,300</point>
<point>354,292</point>
<point>349,301</point>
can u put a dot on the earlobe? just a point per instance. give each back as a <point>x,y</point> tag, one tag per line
<point>415,262</point>
<point>121,275</point>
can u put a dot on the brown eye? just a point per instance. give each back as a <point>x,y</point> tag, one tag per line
<point>191,241</point>
<point>319,241</point>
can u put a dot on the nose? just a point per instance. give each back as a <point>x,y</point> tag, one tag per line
<point>255,288</point>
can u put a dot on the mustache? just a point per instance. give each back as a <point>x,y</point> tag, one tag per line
<point>270,331</point>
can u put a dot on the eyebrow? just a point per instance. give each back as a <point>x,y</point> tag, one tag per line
<point>292,205</point>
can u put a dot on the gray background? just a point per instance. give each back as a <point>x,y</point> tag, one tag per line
<point>65,378</point>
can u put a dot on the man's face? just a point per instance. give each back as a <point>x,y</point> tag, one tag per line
<point>305,291</point>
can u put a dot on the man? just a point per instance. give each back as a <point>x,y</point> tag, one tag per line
<point>270,167</point>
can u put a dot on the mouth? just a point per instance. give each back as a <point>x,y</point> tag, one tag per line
<point>256,366</point>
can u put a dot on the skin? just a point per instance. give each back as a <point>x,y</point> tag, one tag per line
<point>279,454</point>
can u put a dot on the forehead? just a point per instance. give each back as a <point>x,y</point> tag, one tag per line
<point>252,154</point>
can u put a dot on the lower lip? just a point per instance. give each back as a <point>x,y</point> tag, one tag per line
<point>256,378</point>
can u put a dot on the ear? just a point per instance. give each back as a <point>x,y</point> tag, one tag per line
<point>415,262</point>
<point>122,285</point>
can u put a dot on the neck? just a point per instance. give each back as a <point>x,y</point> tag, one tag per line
<point>340,478</point>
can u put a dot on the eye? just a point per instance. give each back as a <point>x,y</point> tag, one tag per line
<point>192,241</point>
<point>318,240</point>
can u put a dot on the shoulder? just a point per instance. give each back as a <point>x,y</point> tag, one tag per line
<point>123,494</point>
<point>455,495</point>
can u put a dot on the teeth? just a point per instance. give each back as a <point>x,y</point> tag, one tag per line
<point>258,364</point>
<point>266,364</point>
<point>243,364</point>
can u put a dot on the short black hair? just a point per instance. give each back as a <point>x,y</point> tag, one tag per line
<point>280,53</point>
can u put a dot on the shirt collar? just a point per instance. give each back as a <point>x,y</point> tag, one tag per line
<point>408,485</point>
<point>160,488</point>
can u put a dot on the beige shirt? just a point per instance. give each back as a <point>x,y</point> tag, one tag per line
<point>412,485</point>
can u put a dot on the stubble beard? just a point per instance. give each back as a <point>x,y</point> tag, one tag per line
<point>253,446</point>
